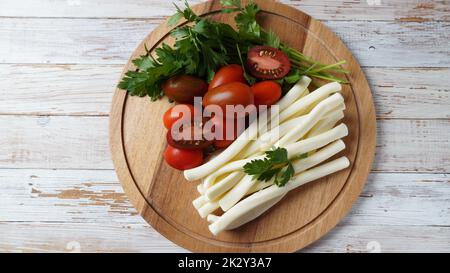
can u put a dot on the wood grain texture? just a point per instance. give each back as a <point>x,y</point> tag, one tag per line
<point>418,10</point>
<point>85,90</point>
<point>137,147</point>
<point>109,41</point>
<point>37,142</point>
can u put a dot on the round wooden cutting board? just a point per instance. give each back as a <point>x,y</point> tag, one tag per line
<point>164,198</point>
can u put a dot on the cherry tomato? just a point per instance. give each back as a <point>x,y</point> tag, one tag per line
<point>265,62</point>
<point>185,137</point>
<point>266,93</point>
<point>235,93</point>
<point>183,88</point>
<point>183,159</point>
<point>177,112</point>
<point>228,74</point>
<point>221,125</point>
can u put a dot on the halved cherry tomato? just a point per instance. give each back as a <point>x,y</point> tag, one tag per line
<point>235,93</point>
<point>189,137</point>
<point>183,88</point>
<point>265,62</point>
<point>183,159</point>
<point>177,112</point>
<point>227,74</point>
<point>266,93</point>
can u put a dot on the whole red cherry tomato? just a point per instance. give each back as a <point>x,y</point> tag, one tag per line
<point>235,93</point>
<point>177,112</point>
<point>183,159</point>
<point>266,93</point>
<point>227,74</point>
<point>183,88</point>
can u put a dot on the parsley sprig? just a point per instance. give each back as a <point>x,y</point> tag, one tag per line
<point>276,165</point>
<point>203,46</point>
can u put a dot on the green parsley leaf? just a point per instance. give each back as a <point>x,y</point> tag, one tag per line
<point>285,176</point>
<point>257,167</point>
<point>276,165</point>
<point>277,156</point>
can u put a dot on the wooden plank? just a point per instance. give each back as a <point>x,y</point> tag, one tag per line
<point>75,196</point>
<point>111,41</point>
<point>87,41</point>
<point>397,199</point>
<point>87,90</point>
<point>88,196</point>
<point>413,146</point>
<point>54,142</point>
<point>82,143</point>
<point>58,89</point>
<point>75,237</point>
<point>379,238</point>
<point>410,93</point>
<point>423,10</point>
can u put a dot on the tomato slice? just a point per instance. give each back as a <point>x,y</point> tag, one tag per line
<point>265,62</point>
<point>184,138</point>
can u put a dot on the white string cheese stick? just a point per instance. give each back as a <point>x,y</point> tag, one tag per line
<point>301,165</point>
<point>301,147</point>
<point>281,130</point>
<point>259,202</point>
<point>223,185</point>
<point>237,192</point>
<point>242,141</point>
<point>268,139</point>
<point>297,91</point>
<point>201,188</point>
<point>207,209</point>
<point>200,201</point>
<point>304,103</point>
<point>325,124</point>
<point>316,114</point>
<point>316,142</point>
<point>212,218</point>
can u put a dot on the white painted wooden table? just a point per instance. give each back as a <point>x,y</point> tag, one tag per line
<point>60,61</point>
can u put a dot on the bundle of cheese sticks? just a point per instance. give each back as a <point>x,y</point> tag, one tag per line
<point>308,125</point>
